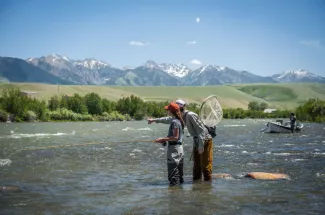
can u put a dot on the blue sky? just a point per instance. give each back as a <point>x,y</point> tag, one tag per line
<point>259,36</point>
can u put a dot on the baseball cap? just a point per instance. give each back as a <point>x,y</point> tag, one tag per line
<point>180,102</point>
<point>172,106</point>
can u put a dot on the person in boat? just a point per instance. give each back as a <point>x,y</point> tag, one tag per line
<point>175,152</point>
<point>202,142</point>
<point>292,122</point>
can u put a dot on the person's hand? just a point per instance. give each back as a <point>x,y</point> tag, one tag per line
<point>201,151</point>
<point>150,121</point>
<point>160,140</point>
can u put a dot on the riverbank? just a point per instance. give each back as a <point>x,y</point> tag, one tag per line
<point>15,106</point>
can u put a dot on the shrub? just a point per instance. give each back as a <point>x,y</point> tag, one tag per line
<point>63,114</point>
<point>114,116</point>
<point>68,115</point>
<point>85,117</point>
<point>30,116</point>
<point>105,114</point>
<point>3,116</point>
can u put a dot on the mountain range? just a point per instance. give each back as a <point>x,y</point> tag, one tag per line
<point>57,69</point>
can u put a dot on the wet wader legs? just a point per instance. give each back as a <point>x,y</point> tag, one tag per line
<point>180,169</point>
<point>203,162</point>
<point>173,173</point>
<point>175,162</point>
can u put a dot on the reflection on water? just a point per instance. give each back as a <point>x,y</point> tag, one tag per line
<point>131,177</point>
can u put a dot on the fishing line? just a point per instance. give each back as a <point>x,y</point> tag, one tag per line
<point>86,144</point>
<point>82,144</point>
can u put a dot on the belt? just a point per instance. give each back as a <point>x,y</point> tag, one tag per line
<point>174,143</point>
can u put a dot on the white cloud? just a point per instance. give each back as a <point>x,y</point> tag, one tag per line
<point>195,61</point>
<point>314,43</point>
<point>191,42</point>
<point>137,43</point>
<point>198,19</point>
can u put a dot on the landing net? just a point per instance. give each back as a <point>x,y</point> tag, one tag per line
<point>211,111</point>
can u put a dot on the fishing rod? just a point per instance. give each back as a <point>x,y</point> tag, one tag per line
<point>82,144</point>
<point>92,143</point>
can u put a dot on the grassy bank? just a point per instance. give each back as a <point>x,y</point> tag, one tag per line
<point>282,96</point>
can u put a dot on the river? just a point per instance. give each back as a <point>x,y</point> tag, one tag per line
<point>131,177</point>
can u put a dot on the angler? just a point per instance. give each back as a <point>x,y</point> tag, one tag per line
<point>202,136</point>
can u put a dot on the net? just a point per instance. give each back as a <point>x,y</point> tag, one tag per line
<point>211,111</point>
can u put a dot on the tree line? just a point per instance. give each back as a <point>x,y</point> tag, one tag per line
<point>15,106</point>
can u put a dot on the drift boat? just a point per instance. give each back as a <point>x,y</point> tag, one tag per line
<point>280,126</point>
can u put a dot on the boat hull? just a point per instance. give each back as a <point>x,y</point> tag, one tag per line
<point>273,127</point>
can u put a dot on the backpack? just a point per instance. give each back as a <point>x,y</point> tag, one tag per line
<point>211,129</point>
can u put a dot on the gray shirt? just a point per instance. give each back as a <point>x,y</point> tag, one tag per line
<point>194,126</point>
<point>176,124</point>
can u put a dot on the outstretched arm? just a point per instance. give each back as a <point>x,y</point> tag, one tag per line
<point>164,120</point>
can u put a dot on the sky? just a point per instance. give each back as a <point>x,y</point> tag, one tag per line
<point>259,36</point>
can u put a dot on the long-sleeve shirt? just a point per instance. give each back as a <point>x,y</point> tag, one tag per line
<point>194,126</point>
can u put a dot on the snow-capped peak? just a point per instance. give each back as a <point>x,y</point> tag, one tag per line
<point>57,56</point>
<point>53,59</point>
<point>203,68</point>
<point>178,70</point>
<point>91,63</point>
<point>297,75</point>
<point>211,67</point>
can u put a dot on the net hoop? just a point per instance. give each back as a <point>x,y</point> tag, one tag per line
<point>211,111</point>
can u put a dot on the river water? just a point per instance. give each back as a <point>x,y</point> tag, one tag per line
<point>131,177</point>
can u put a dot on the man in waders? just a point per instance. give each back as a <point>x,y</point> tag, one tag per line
<point>202,142</point>
<point>292,122</point>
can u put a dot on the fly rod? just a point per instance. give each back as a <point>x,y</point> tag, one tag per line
<point>92,143</point>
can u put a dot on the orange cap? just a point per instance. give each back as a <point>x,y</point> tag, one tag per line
<point>172,106</point>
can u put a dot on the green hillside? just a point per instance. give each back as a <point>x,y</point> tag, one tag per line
<point>284,96</point>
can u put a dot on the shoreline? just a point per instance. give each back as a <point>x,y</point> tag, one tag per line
<point>134,120</point>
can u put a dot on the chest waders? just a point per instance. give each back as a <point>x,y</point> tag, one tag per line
<point>175,163</point>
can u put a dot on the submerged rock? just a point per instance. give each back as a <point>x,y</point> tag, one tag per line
<point>254,175</point>
<point>9,188</point>
<point>267,176</point>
